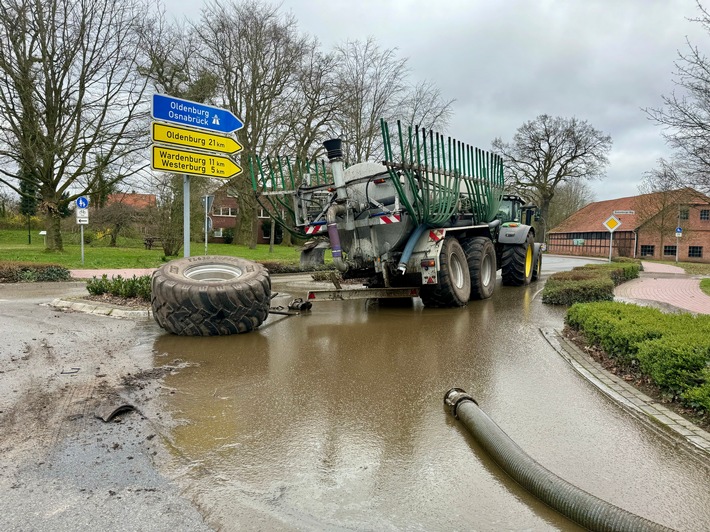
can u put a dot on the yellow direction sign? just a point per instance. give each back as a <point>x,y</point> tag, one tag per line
<point>612,223</point>
<point>193,163</point>
<point>183,136</point>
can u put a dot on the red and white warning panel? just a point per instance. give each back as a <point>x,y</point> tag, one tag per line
<point>390,218</point>
<point>315,229</point>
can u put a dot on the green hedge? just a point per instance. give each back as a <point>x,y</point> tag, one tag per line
<point>586,284</point>
<point>28,272</point>
<point>136,287</point>
<point>672,349</point>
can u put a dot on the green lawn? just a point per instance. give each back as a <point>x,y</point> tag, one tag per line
<point>705,286</point>
<point>130,253</point>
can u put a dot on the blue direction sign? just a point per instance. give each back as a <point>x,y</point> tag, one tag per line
<point>678,229</point>
<point>82,202</point>
<point>194,114</point>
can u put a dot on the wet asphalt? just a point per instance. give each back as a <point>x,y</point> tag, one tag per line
<point>334,420</point>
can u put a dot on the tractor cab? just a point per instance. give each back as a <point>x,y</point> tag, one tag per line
<point>516,209</point>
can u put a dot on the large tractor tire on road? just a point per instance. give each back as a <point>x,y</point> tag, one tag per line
<point>454,286</point>
<point>517,263</point>
<point>481,258</point>
<point>537,262</point>
<point>210,296</point>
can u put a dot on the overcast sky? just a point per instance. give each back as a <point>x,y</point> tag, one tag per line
<point>507,61</point>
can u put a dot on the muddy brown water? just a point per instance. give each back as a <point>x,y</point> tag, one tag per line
<point>334,420</point>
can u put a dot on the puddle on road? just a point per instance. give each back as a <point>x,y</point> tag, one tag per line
<point>334,419</point>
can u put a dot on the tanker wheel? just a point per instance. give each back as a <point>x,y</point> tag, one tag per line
<point>517,263</point>
<point>481,258</point>
<point>210,296</point>
<point>454,286</point>
<point>537,261</point>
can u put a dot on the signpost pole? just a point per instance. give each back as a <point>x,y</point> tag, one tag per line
<point>206,226</point>
<point>612,224</point>
<point>186,215</point>
<point>611,240</point>
<point>82,244</point>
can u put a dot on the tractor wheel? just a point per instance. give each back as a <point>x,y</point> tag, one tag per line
<point>481,258</point>
<point>210,296</point>
<point>517,263</point>
<point>454,287</point>
<point>537,261</point>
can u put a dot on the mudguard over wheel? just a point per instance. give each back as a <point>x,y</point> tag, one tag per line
<point>517,263</point>
<point>537,262</point>
<point>454,286</point>
<point>481,258</point>
<point>210,296</point>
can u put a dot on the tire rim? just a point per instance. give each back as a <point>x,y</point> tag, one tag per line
<point>529,262</point>
<point>456,268</point>
<point>213,273</point>
<point>486,270</point>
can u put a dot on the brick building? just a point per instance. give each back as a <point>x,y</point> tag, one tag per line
<point>224,216</point>
<point>648,228</point>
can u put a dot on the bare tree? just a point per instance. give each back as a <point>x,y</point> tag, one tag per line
<point>570,196</point>
<point>175,63</point>
<point>660,201</point>
<point>70,95</point>
<point>176,68</point>
<point>115,218</point>
<point>423,105</point>
<point>685,115</point>
<point>313,104</point>
<point>257,52</point>
<point>371,85</point>
<point>548,151</point>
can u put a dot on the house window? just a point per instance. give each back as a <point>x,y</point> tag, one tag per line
<point>669,251</point>
<point>705,215</point>
<point>226,211</point>
<point>218,233</point>
<point>262,213</point>
<point>684,214</point>
<point>695,251</point>
<point>648,251</point>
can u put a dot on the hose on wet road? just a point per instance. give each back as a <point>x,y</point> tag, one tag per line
<point>574,503</point>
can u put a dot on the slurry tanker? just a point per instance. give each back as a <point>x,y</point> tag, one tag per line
<point>431,220</point>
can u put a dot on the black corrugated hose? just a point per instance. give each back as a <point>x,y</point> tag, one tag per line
<point>581,507</point>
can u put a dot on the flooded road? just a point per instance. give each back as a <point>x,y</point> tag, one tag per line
<point>334,419</point>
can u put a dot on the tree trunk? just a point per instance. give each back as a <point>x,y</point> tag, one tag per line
<point>52,224</point>
<point>114,236</point>
<point>255,226</point>
<point>272,236</point>
<point>544,211</point>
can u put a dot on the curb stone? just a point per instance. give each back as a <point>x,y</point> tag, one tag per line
<point>673,427</point>
<point>100,309</point>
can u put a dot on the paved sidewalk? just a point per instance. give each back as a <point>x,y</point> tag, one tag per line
<point>666,284</point>
<point>128,273</point>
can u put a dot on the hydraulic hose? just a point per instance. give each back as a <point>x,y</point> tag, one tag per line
<point>409,248</point>
<point>575,504</point>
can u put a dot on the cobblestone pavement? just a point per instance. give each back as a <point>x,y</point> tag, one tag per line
<point>668,285</point>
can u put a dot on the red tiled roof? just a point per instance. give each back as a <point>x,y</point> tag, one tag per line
<point>139,201</point>
<point>591,218</point>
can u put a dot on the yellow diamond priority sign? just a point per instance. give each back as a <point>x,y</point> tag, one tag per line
<point>612,223</point>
